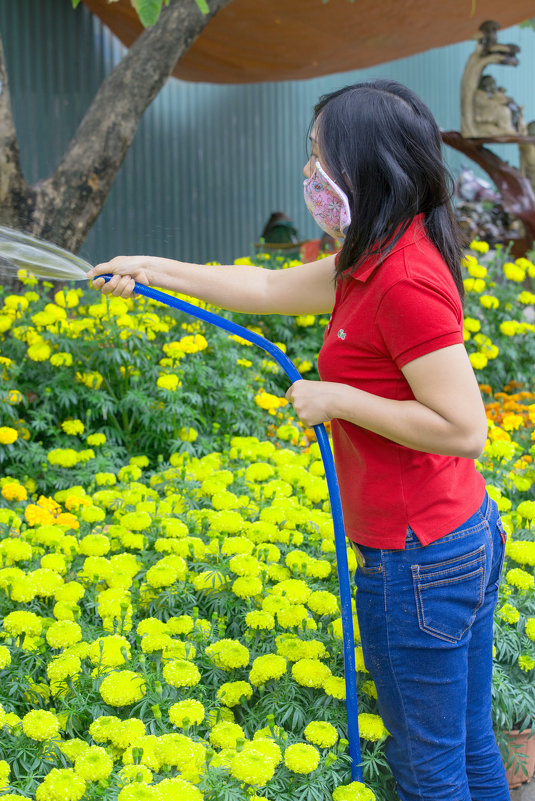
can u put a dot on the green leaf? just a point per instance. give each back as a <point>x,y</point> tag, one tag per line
<point>75,3</point>
<point>203,6</point>
<point>148,11</point>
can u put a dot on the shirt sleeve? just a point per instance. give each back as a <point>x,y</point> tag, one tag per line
<point>416,317</point>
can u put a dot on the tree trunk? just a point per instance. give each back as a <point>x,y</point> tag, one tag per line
<point>63,207</point>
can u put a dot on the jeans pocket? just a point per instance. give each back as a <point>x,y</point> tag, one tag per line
<point>448,594</point>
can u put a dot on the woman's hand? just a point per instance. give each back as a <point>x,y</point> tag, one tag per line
<point>126,271</point>
<point>312,401</point>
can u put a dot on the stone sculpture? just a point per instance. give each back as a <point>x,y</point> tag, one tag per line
<point>486,109</point>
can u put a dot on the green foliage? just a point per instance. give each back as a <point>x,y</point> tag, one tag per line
<point>149,11</point>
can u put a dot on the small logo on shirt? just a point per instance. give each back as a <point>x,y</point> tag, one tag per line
<point>342,334</point>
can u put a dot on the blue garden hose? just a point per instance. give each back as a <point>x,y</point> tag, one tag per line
<point>334,497</point>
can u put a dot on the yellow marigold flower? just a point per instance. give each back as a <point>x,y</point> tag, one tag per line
<point>93,380</point>
<point>472,325</point>
<point>266,667</point>
<point>8,435</point>
<point>4,775</point>
<point>356,791</point>
<point>187,434</point>
<point>509,328</point>
<point>520,578</point>
<point>63,633</point>
<point>12,491</point>
<point>301,758</point>
<point>169,382</point>
<point>514,272</point>
<point>335,687</point>
<point>260,620</point>
<point>252,767</point>
<point>528,298</point>
<point>186,713</point>
<point>509,613</point>
<point>178,787</point>
<point>181,673</point>
<point>489,301</point>
<point>135,521</point>
<point>67,299</point>
<point>95,440</point>
<point>322,602</point>
<point>526,510</point>
<point>21,622</point>
<point>228,654</point>
<point>512,422</point>
<point>73,427</point>
<point>111,651</point>
<point>40,725</point>
<point>477,270</point>
<point>133,774</point>
<point>526,662</point>
<point>61,359</point>
<point>295,591</point>
<point>231,692</point>
<point>474,285</point>
<point>478,361</point>
<point>530,628</point>
<point>14,397</point>
<point>63,457</point>
<point>225,735</point>
<point>61,785</point>
<point>269,402</point>
<point>39,352</point>
<point>247,587</point>
<point>310,672</point>
<point>138,791</point>
<point>5,657</point>
<point>305,320</point>
<point>478,246</point>
<point>122,688</point>
<point>105,479</point>
<point>93,764</point>
<point>5,323</point>
<point>371,727</point>
<point>292,615</point>
<point>320,733</point>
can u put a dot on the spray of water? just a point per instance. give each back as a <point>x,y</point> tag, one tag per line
<point>21,251</point>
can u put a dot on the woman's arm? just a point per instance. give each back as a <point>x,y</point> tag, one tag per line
<point>304,289</point>
<point>446,417</point>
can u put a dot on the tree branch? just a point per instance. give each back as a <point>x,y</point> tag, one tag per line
<point>69,201</point>
<point>16,196</point>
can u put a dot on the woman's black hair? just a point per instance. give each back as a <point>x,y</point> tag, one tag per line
<point>382,146</point>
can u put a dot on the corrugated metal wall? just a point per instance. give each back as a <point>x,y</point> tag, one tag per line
<point>209,163</point>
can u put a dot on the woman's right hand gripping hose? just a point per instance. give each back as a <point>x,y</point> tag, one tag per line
<point>126,271</point>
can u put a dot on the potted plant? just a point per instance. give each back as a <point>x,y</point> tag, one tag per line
<point>514,660</point>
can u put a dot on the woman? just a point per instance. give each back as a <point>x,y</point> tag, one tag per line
<point>407,422</point>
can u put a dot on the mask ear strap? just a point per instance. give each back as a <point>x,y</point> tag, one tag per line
<point>340,192</point>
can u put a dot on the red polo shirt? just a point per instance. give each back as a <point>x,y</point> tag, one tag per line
<point>386,314</point>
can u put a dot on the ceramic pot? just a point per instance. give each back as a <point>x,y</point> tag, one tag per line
<point>521,743</point>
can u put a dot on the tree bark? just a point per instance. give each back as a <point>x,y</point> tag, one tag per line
<point>17,198</point>
<point>63,207</point>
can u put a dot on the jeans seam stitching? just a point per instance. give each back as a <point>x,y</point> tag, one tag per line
<point>405,724</point>
<point>455,561</point>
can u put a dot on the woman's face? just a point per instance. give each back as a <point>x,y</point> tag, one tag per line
<point>308,169</point>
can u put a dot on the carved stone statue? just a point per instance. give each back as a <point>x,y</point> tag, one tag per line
<point>527,156</point>
<point>486,109</point>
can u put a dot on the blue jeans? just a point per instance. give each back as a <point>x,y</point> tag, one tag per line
<point>425,616</point>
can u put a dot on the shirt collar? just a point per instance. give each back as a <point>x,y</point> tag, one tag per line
<point>414,233</point>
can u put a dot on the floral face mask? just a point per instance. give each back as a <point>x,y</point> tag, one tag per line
<point>327,203</point>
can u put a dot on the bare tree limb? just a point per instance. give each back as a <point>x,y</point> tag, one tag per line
<point>16,196</point>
